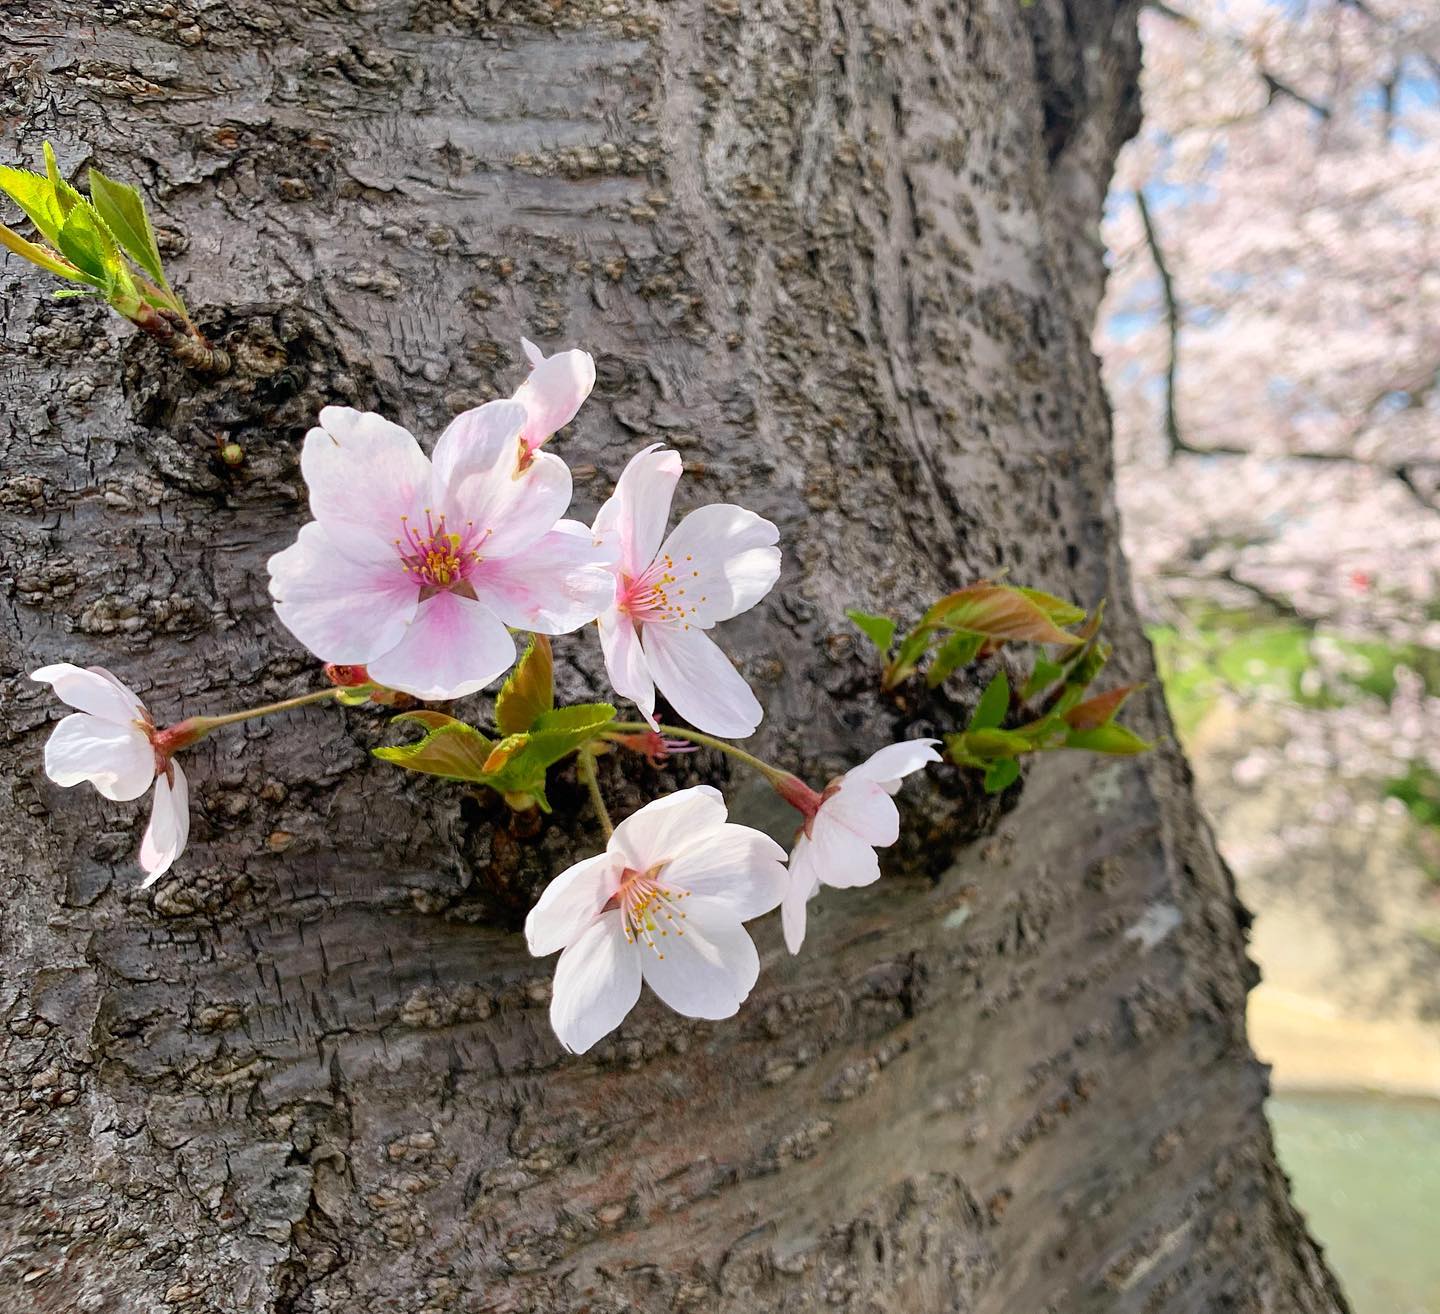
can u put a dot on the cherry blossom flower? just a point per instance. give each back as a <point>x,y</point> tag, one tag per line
<point>844,826</point>
<point>111,742</point>
<point>552,394</point>
<point>413,567</point>
<point>717,562</point>
<point>663,903</point>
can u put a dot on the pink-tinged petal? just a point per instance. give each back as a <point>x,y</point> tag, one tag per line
<point>800,889</point>
<point>625,663</point>
<point>364,474</point>
<point>893,763</point>
<point>504,510</point>
<point>597,982</point>
<point>635,515</point>
<point>477,441</point>
<point>724,559</point>
<point>864,808</point>
<point>838,856</point>
<point>169,826</point>
<point>667,826</point>
<point>733,867</point>
<point>453,647</point>
<point>93,689</point>
<point>554,586</point>
<point>570,903</point>
<point>708,970</point>
<point>555,391</point>
<point>117,759</point>
<point>700,681</point>
<point>342,610</point>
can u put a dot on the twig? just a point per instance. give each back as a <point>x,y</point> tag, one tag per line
<point>1172,324</point>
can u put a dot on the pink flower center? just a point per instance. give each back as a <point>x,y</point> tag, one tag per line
<point>437,556</point>
<point>661,592</point>
<point>649,909</point>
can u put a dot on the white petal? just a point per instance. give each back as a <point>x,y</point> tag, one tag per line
<point>570,903</point>
<point>893,763</point>
<point>480,439</point>
<point>799,890</point>
<point>453,647</point>
<point>509,508</point>
<point>117,759</point>
<point>724,558</point>
<point>93,689</point>
<point>556,389</point>
<point>597,982</point>
<point>342,610</point>
<point>700,681</point>
<point>364,474</point>
<point>634,517</point>
<point>625,662</point>
<point>557,584</point>
<point>865,809</point>
<point>734,867</point>
<point>838,856</point>
<point>667,826</point>
<point>169,826</point>
<point>705,971</point>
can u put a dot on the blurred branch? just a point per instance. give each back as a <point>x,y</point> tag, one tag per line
<point>1172,326</point>
<point>1276,88</point>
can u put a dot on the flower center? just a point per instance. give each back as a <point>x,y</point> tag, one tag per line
<point>661,592</point>
<point>649,909</point>
<point>436,556</point>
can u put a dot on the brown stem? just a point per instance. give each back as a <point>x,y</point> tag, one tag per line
<point>184,341</point>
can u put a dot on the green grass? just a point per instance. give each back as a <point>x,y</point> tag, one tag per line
<point>1217,653</point>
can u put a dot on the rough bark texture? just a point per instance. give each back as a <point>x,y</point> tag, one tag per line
<point>843,256</point>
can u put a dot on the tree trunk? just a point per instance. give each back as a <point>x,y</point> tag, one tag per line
<point>844,258</point>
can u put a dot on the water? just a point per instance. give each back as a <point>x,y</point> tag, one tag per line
<point>1366,1174</point>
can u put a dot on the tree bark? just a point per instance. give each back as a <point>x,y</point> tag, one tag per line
<point>844,258</point>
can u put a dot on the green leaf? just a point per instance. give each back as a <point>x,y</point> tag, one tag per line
<point>1059,611</point>
<point>450,748</point>
<point>559,733</point>
<point>1000,774</point>
<point>880,630</point>
<point>1099,710</point>
<point>39,255</point>
<point>1042,676</point>
<point>958,650</point>
<point>912,648</point>
<point>1111,738</point>
<point>988,744</point>
<point>87,244</point>
<point>999,612</point>
<point>993,704</point>
<point>66,197</point>
<point>33,193</point>
<point>530,689</point>
<point>122,209</point>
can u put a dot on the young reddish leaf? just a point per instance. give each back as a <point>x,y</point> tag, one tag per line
<point>880,630</point>
<point>500,755</point>
<point>993,704</point>
<point>529,691</point>
<point>1059,611</point>
<point>455,750</point>
<point>1111,738</point>
<point>1099,710</point>
<point>997,611</point>
<point>1000,774</point>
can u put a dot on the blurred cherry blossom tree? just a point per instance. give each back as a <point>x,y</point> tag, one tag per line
<point>1271,341</point>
